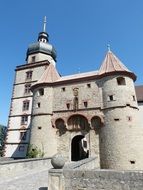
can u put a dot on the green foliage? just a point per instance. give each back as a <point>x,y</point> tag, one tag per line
<point>34,152</point>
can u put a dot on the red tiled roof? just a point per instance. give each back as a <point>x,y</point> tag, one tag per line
<point>112,64</point>
<point>49,76</point>
<point>139,93</point>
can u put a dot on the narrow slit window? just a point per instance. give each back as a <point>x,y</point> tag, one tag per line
<point>68,106</point>
<point>85,104</point>
<point>116,119</point>
<point>38,105</point>
<point>129,118</point>
<point>134,99</point>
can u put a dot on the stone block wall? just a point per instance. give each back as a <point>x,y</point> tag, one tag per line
<point>103,180</point>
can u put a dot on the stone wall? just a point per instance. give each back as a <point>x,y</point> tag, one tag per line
<point>103,179</point>
<point>22,167</point>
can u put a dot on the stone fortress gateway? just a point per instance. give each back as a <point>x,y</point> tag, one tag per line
<point>83,115</point>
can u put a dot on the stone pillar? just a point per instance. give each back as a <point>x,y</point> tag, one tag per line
<point>56,179</point>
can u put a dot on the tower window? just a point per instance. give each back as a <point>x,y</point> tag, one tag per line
<point>121,81</point>
<point>29,75</point>
<point>33,59</point>
<point>85,104</point>
<point>129,118</point>
<point>38,105</point>
<point>89,85</point>
<point>26,105</point>
<point>27,88</point>
<point>134,99</point>
<point>39,128</point>
<point>63,89</point>
<point>111,98</point>
<point>23,135</point>
<point>68,106</point>
<point>41,92</point>
<point>132,162</point>
<point>116,119</point>
<point>24,119</point>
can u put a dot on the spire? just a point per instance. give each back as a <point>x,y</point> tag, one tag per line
<point>109,49</point>
<point>112,65</point>
<point>44,26</point>
<point>43,36</point>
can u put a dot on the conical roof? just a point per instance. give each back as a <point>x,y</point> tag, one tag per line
<point>49,76</point>
<point>112,64</point>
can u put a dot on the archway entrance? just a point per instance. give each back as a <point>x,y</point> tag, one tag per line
<point>79,149</point>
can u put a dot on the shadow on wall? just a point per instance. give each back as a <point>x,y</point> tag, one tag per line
<point>43,188</point>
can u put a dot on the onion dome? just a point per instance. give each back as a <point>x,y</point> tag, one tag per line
<point>42,45</point>
<point>112,65</point>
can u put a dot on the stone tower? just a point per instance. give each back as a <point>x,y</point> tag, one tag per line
<point>38,57</point>
<point>121,138</point>
<point>42,134</point>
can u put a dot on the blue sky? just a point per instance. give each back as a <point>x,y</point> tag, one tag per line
<point>79,30</point>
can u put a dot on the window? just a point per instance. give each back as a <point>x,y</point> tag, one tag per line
<point>23,136</point>
<point>29,75</point>
<point>24,119</point>
<point>63,89</point>
<point>41,92</point>
<point>33,59</point>
<point>85,104</point>
<point>27,88</point>
<point>132,162</point>
<point>129,118</point>
<point>68,106</point>
<point>121,81</point>
<point>39,128</point>
<point>116,119</point>
<point>89,85</point>
<point>38,105</point>
<point>111,98</point>
<point>21,148</point>
<point>26,105</point>
<point>134,99</point>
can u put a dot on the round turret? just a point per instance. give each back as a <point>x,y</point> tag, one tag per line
<point>122,135</point>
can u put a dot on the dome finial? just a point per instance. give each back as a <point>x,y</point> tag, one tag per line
<point>44,26</point>
<point>109,48</point>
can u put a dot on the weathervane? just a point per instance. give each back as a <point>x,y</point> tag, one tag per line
<point>44,28</point>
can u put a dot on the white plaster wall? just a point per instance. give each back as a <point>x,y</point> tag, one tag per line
<point>15,122</point>
<point>37,73</point>
<point>17,106</point>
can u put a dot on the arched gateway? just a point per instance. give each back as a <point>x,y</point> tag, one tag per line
<point>79,148</point>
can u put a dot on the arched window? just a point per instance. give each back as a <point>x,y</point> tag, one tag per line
<point>96,123</point>
<point>77,122</point>
<point>60,125</point>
